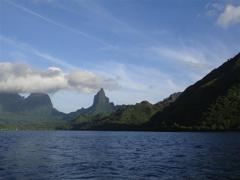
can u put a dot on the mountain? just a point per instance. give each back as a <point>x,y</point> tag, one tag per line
<point>101,105</point>
<point>167,101</point>
<point>125,116</point>
<point>10,102</point>
<point>212,103</point>
<point>37,100</point>
<point>36,110</point>
<point>209,104</point>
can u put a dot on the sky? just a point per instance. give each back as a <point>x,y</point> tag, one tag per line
<point>135,49</point>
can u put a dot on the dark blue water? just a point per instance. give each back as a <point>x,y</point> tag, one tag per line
<point>119,155</point>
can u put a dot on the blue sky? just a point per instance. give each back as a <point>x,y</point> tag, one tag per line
<point>135,49</point>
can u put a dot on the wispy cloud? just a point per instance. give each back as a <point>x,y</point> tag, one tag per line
<point>189,56</point>
<point>63,26</point>
<point>53,59</point>
<point>36,52</point>
<point>108,20</point>
<point>191,60</point>
<point>101,12</point>
<point>230,16</point>
<point>23,78</point>
<point>139,83</point>
<point>43,1</point>
<point>213,8</point>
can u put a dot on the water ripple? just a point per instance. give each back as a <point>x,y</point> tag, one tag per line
<point>119,155</point>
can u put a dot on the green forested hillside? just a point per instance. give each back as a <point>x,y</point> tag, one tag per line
<point>34,112</point>
<point>225,112</point>
<point>101,105</point>
<point>124,116</point>
<point>211,103</point>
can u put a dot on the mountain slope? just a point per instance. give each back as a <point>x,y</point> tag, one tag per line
<point>35,111</point>
<point>10,102</point>
<point>196,104</point>
<point>124,116</point>
<point>101,105</point>
<point>225,112</point>
<point>39,104</point>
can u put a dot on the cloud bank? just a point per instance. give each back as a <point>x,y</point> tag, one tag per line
<point>22,78</point>
<point>230,16</point>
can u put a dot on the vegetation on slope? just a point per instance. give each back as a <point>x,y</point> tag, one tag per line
<point>101,105</point>
<point>204,104</point>
<point>125,116</point>
<point>213,103</point>
<point>34,112</point>
<point>225,112</point>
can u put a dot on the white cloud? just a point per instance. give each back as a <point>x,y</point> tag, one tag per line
<point>22,78</point>
<point>230,16</point>
<point>89,82</point>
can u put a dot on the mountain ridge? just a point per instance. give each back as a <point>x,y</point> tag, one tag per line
<point>196,100</point>
<point>36,110</point>
<point>124,116</point>
<point>212,103</point>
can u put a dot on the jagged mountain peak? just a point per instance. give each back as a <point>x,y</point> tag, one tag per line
<point>100,98</point>
<point>101,92</point>
<point>101,105</point>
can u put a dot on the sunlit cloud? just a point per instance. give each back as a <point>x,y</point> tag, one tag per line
<point>23,78</point>
<point>230,16</point>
